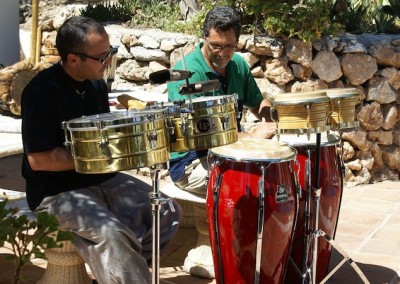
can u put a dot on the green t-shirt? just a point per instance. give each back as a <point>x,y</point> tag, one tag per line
<point>238,80</point>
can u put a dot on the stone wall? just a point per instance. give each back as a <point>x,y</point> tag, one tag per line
<point>369,63</point>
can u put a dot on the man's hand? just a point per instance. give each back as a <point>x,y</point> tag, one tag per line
<point>263,130</point>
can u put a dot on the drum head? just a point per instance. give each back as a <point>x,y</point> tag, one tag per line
<point>114,119</point>
<point>300,97</point>
<point>210,101</point>
<point>256,149</point>
<point>335,93</point>
<point>332,138</point>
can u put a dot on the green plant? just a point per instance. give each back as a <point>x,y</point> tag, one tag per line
<point>107,11</point>
<point>355,18</point>
<point>156,14</point>
<point>383,21</point>
<point>300,20</point>
<point>393,8</point>
<point>26,238</point>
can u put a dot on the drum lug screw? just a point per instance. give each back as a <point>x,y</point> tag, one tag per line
<point>225,122</point>
<point>152,137</point>
<point>67,143</point>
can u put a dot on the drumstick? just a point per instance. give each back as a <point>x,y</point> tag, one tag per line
<point>130,102</point>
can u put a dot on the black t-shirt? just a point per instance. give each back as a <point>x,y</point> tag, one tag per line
<point>48,100</point>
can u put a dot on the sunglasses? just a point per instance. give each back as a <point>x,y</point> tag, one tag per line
<point>102,59</point>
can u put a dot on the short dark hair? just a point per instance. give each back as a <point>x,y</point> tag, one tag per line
<point>222,19</point>
<point>72,35</point>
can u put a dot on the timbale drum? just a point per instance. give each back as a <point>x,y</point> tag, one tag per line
<point>118,141</point>
<point>203,123</point>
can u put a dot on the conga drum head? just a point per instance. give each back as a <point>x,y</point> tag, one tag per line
<point>343,104</point>
<point>255,149</point>
<point>117,141</point>
<point>302,112</point>
<point>300,98</point>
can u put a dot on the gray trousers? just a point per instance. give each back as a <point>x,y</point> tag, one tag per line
<point>112,223</point>
<point>195,177</point>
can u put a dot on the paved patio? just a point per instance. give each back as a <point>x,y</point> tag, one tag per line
<point>368,230</point>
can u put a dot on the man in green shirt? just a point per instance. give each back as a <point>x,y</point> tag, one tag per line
<point>215,58</point>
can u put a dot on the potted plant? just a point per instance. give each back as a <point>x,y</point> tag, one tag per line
<point>27,238</point>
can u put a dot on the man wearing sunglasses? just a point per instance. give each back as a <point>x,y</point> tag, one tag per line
<point>109,213</point>
<point>215,58</point>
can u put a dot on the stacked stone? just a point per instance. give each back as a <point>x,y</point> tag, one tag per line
<point>367,62</point>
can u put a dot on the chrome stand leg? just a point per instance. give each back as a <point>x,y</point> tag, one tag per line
<point>156,202</point>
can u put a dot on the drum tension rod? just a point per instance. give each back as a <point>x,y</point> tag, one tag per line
<point>67,143</point>
<point>152,137</point>
<point>103,141</point>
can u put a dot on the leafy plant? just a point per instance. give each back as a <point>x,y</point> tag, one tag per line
<point>26,238</point>
<point>355,18</point>
<point>157,14</point>
<point>300,20</point>
<point>383,21</point>
<point>121,11</point>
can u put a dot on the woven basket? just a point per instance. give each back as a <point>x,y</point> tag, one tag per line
<point>65,266</point>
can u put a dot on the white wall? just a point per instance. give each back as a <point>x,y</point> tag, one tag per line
<point>9,32</point>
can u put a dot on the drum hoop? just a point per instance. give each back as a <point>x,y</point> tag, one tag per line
<point>323,143</point>
<point>350,124</point>
<point>318,129</point>
<point>291,157</point>
<point>341,92</point>
<point>74,125</point>
<point>294,102</point>
<point>339,96</point>
<point>214,101</point>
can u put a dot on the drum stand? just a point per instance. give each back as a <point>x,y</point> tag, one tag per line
<point>156,202</point>
<point>309,273</point>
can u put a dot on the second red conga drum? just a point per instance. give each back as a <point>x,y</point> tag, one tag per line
<point>251,210</point>
<point>331,192</point>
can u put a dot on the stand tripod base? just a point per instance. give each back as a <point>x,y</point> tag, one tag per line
<point>346,258</point>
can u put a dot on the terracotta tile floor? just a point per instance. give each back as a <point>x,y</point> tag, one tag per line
<point>368,231</point>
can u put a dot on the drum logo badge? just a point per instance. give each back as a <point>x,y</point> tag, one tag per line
<point>204,126</point>
<point>281,194</point>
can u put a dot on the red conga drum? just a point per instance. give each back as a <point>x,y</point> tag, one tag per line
<point>330,198</point>
<point>251,210</point>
